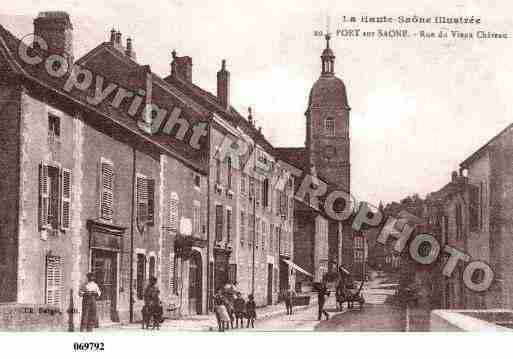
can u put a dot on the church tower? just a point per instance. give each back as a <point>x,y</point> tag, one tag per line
<point>327,125</point>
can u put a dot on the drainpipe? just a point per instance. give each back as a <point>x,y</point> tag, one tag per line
<point>209,280</point>
<point>132,212</point>
<point>254,239</point>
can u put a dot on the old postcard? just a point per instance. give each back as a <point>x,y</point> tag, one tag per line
<point>184,166</point>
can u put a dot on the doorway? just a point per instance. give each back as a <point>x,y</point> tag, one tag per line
<point>105,268</point>
<point>195,283</point>
<point>269,284</point>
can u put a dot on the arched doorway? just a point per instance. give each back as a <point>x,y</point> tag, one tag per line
<point>195,283</point>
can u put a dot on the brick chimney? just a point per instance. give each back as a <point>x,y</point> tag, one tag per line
<point>223,86</point>
<point>182,67</point>
<point>129,51</point>
<point>56,29</point>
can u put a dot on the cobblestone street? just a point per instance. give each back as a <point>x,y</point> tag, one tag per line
<point>377,315</point>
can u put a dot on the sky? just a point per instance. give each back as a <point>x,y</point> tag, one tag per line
<point>419,107</point>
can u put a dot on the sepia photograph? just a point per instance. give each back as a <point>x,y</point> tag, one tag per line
<point>209,169</point>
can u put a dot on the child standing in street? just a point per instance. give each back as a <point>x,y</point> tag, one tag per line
<point>239,307</point>
<point>251,311</point>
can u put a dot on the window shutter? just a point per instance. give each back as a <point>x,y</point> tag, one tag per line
<point>107,191</point>
<point>228,226</point>
<point>172,272</point>
<point>151,201</point>
<point>219,224</point>
<point>65,199</point>
<point>53,280</point>
<point>142,199</point>
<point>173,212</point>
<point>43,196</point>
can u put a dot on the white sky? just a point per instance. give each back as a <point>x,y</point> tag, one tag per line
<point>418,107</point>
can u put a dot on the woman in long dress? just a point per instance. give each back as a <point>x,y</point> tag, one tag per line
<point>89,292</point>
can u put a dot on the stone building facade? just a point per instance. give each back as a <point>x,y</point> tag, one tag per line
<point>88,190</point>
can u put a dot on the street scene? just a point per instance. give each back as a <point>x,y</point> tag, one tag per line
<point>333,181</point>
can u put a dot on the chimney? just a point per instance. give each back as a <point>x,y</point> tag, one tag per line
<point>56,29</point>
<point>223,86</point>
<point>112,36</point>
<point>129,49</point>
<point>454,177</point>
<point>250,115</point>
<point>182,67</point>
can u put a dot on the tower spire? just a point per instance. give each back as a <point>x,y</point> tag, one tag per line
<point>328,57</point>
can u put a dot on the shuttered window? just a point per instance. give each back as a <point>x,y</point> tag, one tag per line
<point>150,183</point>
<point>243,181</point>
<point>53,280</point>
<point>172,273</point>
<point>55,196</point>
<point>66,199</point>
<point>242,228</point>
<point>141,275</point>
<point>173,212</point>
<point>264,234</point>
<point>229,172</point>
<point>257,232</point>
<point>219,224</point>
<point>271,235</point>
<point>196,219</point>
<point>229,226</point>
<point>43,196</point>
<point>107,190</point>
<point>142,199</point>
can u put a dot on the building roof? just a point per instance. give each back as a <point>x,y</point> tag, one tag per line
<point>112,117</point>
<point>211,102</point>
<point>327,91</point>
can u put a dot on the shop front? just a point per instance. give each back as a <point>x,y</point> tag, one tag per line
<point>105,244</point>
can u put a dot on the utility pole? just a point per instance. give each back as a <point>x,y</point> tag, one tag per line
<point>254,238</point>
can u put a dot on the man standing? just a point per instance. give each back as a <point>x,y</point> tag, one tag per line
<point>288,297</point>
<point>322,293</point>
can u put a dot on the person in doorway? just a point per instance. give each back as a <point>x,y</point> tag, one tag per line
<point>239,308</point>
<point>288,297</point>
<point>90,292</point>
<point>322,293</point>
<point>251,311</point>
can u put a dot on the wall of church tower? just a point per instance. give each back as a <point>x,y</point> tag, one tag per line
<point>330,153</point>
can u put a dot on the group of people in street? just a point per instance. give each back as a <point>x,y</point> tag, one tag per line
<point>230,308</point>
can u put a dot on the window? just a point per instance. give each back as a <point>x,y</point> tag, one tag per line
<point>53,280</point>
<point>141,275</point>
<point>151,267</point>
<point>474,208</point>
<point>251,226</point>
<point>251,188</point>
<point>330,126</point>
<point>228,226</point>
<point>258,189</point>
<point>54,127</point>
<point>483,203</point>
<point>55,190</point>
<point>106,190</point>
<point>229,172</point>
<point>218,170</point>
<point>219,224</point>
<point>196,218</point>
<point>197,181</point>
<point>265,193</point>
<point>232,273</point>
<point>243,181</point>
<point>173,212</point>
<point>446,229</point>
<point>242,228</point>
<point>459,224</point>
<point>271,235</point>
<point>257,239</point>
<point>264,234</point>
<point>172,273</point>
<point>145,191</point>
